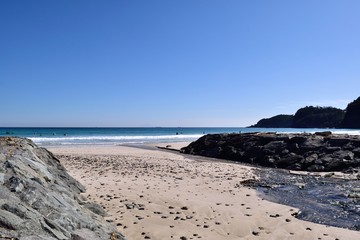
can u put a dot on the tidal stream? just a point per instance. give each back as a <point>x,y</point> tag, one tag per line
<point>325,200</point>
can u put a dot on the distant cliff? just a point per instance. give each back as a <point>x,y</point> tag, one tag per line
<point>307,117</point>
<point>278,121</point>
<point>352,115</point>
<point>316,117</point>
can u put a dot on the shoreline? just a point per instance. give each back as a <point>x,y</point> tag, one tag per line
<point>164,195</point>
<point>69,136</point>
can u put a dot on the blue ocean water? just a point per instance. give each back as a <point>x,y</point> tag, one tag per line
<point>114,136</point>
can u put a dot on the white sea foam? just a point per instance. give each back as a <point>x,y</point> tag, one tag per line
<point>127,139</point>
<point>309,130</point>
<point>143,139</point>
<point>345,131</point>
<point>348,132</point>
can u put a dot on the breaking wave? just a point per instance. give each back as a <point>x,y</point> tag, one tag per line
<point>113,139</point>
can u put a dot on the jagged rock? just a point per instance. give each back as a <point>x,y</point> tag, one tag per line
<point>310,152</point>
<point>95,208</point>
<point>40,200</point>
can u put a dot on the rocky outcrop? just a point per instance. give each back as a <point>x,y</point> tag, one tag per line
<point>311,152</point>
<point>40,200</point>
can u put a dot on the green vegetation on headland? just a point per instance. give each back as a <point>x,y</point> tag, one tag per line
<point>352,115</point>
<point>316,117</point>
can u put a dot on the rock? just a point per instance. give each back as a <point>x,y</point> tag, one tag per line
<point>311,159</point>
<point>311,152</point>
<point>83,234</point>
<point>40,200</point>
<point>300,185</point>
<point>356,152</point>
<point>338,142</point>
<point>286,162</point>
<point>323,134</point>
<point>332,149</point>
<point>96,208</point>
<point>354,195</point>
<point>10,221</point>
<point>275,146</point>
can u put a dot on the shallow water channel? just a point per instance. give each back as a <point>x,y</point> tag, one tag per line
<point>324,200</point>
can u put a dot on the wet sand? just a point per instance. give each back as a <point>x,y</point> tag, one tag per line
<point>154,194</point>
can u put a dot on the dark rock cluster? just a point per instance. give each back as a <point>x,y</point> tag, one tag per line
<point>40,200</point>
<point>310,152</point>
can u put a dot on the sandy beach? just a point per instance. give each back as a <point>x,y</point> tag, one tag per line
<point>156,194</point>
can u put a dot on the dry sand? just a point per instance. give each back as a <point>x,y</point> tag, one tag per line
<point>153,194</point>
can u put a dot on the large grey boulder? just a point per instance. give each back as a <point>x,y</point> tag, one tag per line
<point>40,200</point>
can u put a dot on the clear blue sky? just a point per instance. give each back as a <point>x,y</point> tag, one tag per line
<point>174,63</point>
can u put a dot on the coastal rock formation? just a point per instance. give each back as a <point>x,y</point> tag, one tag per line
<point>278,121</point>
<point>311,152</point>
<point>352,115</point>
<point>318,117</point>
<point>40,200</point>
<point>306,117</point>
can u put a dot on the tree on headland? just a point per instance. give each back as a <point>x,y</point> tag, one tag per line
<point>352,115</point>
<point>318,117</point>
<point>278,121</point>
<point>307,117</point>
